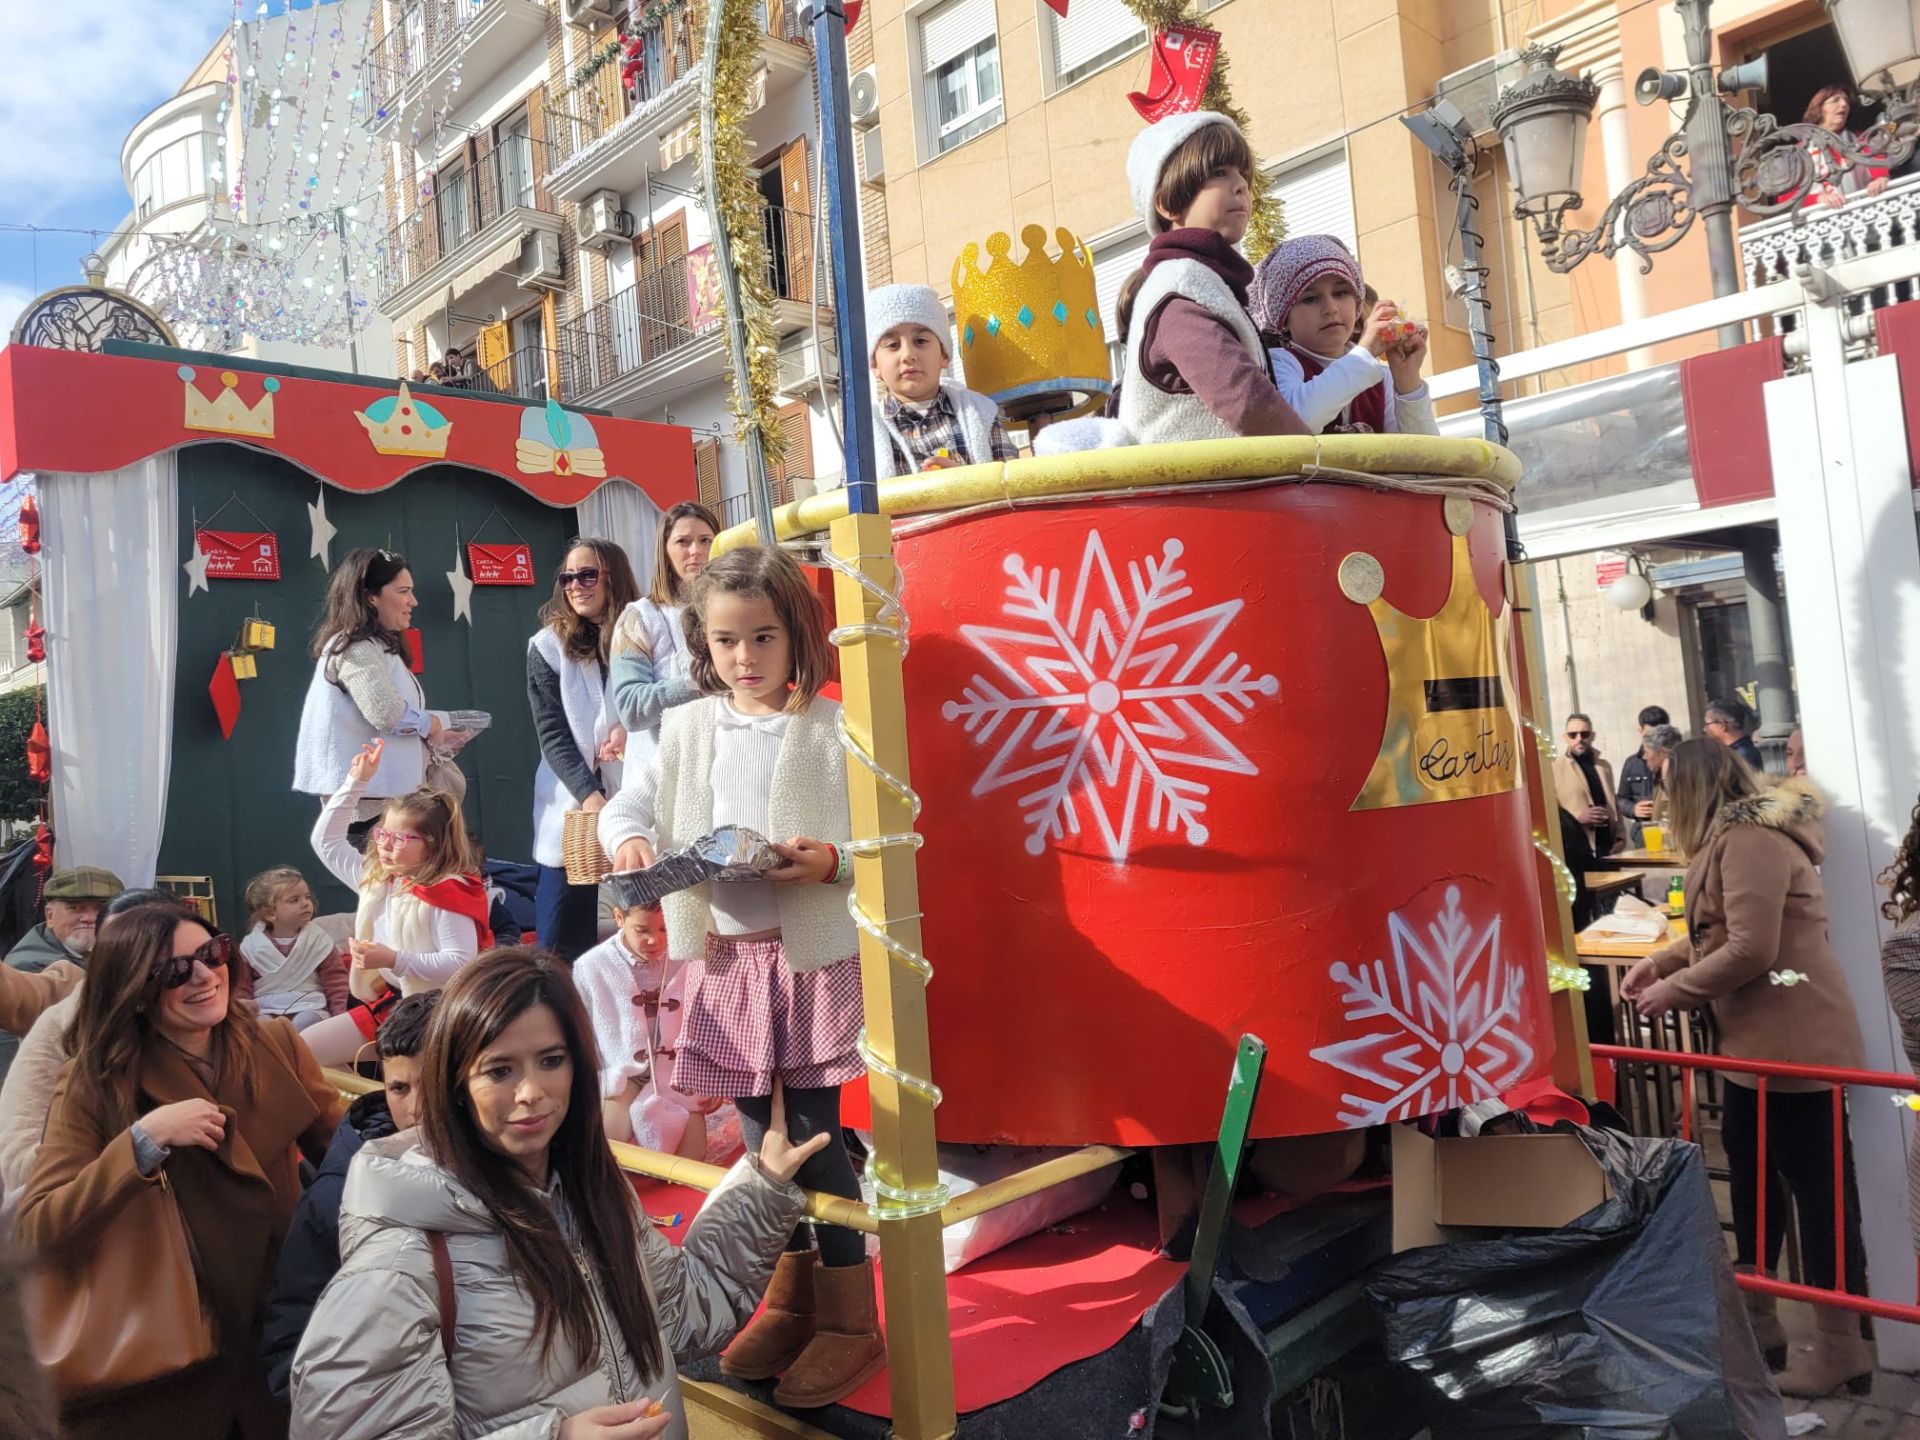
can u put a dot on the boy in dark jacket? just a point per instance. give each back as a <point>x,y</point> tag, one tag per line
<point>311,1254</point>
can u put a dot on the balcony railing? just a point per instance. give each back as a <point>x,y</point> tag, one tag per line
<point>669,53</point>
<point>1817,235</point>
<point>673,305</point>
<point>738,509</point>
<point>466,202</point>
<point>423,31</point>
<point>525,372</point>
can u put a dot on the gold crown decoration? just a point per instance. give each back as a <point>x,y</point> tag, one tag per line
<point>1451,723</point>
<point>401,425</point>
<point>1030,334</point>
<point>227,413</point>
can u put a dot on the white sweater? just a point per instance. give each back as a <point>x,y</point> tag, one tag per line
<point>1149,413</point>
<point>806,795</point>
<point>1321,400</point>
<point>333,728</point>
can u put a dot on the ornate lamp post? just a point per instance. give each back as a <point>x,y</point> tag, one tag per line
<point>1698,173</point>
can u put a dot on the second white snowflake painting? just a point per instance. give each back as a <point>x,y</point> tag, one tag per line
<point>1441,1019</point>
<point>1107,706</point>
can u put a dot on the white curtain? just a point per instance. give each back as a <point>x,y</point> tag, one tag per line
<point>626,515</point>
<point>111,577</point>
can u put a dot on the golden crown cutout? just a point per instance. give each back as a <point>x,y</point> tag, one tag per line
<point>227,413</point>
<point>401,425</point>
<point>1030,334</point>
<point>1451,723</point>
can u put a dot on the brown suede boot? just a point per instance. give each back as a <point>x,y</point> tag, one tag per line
<point>1763,1314</point>
<point>775,1337</point>
<point>846,1350</point>
<point>1838,1356</point>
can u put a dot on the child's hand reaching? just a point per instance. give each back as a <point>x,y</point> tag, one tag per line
<point>1373,336</point>
<point>806,860</point>
<point>360,769</point>
<point>1406,360</point>
<point>634,854</point>
<point>942,461</point>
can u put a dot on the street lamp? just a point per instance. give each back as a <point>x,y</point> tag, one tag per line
<point>1542,119</point>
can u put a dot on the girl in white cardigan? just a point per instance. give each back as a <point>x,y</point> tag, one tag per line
<point>773,978</point>
<point>422,912</point>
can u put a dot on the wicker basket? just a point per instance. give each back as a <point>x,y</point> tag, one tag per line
<point>586,862</point>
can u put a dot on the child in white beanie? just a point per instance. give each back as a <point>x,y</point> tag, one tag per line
<point>921,419</point>
<point>1196,365</point>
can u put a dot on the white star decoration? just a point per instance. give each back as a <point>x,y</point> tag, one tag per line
<point>196,569</point>
<point>462,587</point>
<point>323,531</point>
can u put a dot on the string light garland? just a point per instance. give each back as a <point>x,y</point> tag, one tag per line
<point>1562,976</point>
<point>1268,226</point>
<point>1562,877</point>
<point>892,1201</point>
<point>1542,739</point>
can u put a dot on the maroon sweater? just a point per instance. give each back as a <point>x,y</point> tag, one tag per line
<point>1186,349</point>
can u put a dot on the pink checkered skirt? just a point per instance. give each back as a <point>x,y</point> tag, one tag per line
<point>748,1019</point>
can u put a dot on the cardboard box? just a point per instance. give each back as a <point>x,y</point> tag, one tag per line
<point>1461,1189</point>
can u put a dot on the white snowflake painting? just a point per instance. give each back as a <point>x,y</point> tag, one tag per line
<point>1108,700</point>
<point>1443,1020</point>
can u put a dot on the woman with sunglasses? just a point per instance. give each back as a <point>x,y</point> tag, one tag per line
<point>171,1085</point>
<point>581,740</point>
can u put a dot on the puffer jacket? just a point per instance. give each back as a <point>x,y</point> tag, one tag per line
<point>1756,908</point>
<point>371,1364</point>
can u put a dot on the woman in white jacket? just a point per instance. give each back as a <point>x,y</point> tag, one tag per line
<point>552,1310</point>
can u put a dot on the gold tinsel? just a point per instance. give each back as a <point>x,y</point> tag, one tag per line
<point>1268,227</point>
<point>740,208</point>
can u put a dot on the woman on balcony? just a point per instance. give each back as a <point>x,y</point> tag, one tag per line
<point>1835,177</point>
<point>650,646</point>
<point>581,740</point>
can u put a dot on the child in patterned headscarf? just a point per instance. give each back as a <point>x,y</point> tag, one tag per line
<point>1307,299</point>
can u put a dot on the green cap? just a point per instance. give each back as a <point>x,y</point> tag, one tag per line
<point>82,882</point>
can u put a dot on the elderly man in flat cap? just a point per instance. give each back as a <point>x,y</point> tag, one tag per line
<point>54,952</point>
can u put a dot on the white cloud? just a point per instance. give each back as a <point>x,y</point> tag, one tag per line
<point>13,299</point>
<point>72,82</point>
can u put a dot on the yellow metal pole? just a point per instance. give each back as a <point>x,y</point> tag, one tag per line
<point>919,1345</point>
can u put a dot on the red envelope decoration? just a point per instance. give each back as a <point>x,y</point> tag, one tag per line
<point>416,652</point>
<point>240,554</point>
<point>500,564</point>
<point>1183,57</point>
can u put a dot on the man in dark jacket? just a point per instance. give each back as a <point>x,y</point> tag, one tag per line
<point>311,1254</point>
<point>1731,723</point>
<point>1636,776</point>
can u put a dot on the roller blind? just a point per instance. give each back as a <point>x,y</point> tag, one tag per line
<point>1317,199</point>
<point>1092,28</point>
<point>1110,271</point>
<point>955,28</point>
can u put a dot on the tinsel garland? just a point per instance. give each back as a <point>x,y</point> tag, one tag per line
<point>606,55</point>
<point>609,54</point>
<point>740,208</point>
<point>1268,226</point>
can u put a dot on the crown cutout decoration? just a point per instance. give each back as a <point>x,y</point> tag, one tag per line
<point>1451,724</point>
<point>227,414</point>
<point>402,425</point>
<point>1030,333</point>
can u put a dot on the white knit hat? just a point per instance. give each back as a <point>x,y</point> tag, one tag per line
<point>893,305</point>
<point>1150,151</point>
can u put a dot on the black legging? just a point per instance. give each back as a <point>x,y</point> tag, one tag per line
<point>1799,1159</point>
<point>809,1112</point>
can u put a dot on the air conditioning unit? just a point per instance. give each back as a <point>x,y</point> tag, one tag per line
<point>1476,89</point>
<point>601,222</point>
<point>801,367</point>
<point>540,265</point>
<point>863,97</point>
<point>873,164</point>
<point>590,12</point>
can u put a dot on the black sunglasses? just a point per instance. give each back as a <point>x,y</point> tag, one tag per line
<point>586,577</point>
<point>173,971</point>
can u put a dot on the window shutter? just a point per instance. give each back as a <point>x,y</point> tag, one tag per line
<point>537,130</point>
<point>797,461</point>
<point>1093,28</point>
<point>706,472</point>
<point>1317,199</point>
<point>955,28</point>
<point>1110,272</point>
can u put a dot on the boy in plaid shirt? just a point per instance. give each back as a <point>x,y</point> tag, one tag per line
<point>921,419</point>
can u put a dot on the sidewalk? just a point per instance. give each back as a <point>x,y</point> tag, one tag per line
<point>1890,1412</point>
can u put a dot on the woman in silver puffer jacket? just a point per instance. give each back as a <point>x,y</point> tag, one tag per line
<point>565,1310</point>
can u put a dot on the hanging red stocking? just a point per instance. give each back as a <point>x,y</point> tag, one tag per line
<point>1183,57</point>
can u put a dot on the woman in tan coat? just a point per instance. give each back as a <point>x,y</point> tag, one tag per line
<point>171,1085</point>
<point>1757,955</point>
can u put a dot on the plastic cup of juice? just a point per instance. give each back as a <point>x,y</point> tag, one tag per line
<point>1654,838</point>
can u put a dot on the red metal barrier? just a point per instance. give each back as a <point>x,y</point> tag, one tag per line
<point>1762,1071</point>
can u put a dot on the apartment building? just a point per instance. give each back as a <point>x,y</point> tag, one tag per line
<point>547,217</point>
<point>211,167</point>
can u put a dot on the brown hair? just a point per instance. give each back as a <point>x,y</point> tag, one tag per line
<point>1195,161</point>
<point>581,638</point>
<point>778,577</point>
<point>265,889</point>
<point>487,996</point>
<point>1701,776</point>
<point>668,588</point>
<point>1123,302</point>
<point>1902,878</point>
<point>348,616</point>
<point>1819,102</point>
<point>113,1026</point>
<point>437,816</point>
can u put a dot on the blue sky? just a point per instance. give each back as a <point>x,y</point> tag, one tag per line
<point>73,80</point>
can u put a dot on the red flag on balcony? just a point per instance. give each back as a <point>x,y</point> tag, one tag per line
<point>853,13</point>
